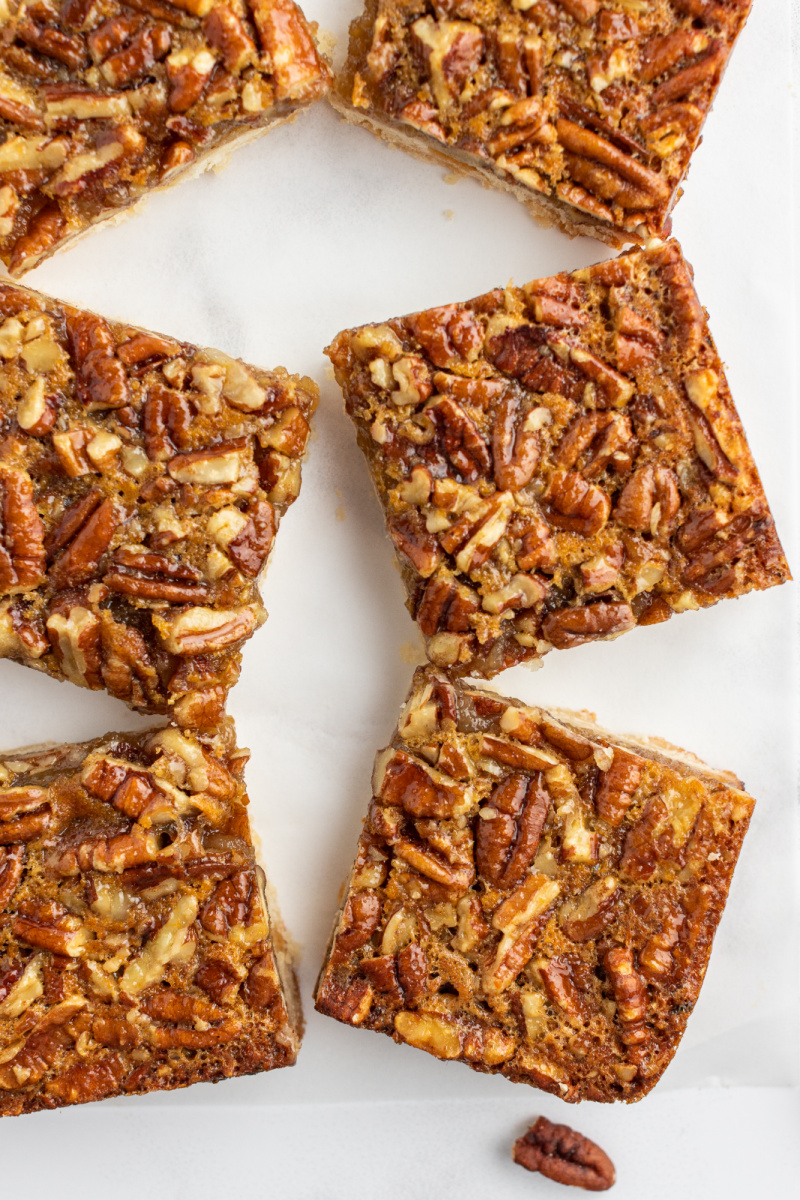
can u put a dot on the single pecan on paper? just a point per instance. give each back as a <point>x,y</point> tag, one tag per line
<point>565,1156</point>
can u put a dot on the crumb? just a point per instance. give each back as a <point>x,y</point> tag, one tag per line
<point>448,214</point>
<point>412,653</point>
<point>326,41</point>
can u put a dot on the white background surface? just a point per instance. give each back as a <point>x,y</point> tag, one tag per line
<point>315,228</point>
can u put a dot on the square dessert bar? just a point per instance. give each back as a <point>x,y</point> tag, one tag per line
<point>532,895</point>
<point>100,102</point>
<point>136,948</point>
<point>588,111</point>
<point>142,480</point>
<point>558,462</point>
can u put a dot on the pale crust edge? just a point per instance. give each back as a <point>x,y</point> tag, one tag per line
<point>545,210</point>
<point>212,160</point>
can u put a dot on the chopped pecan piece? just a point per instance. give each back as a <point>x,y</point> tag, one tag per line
<point>86,546</point>
<point>12,859</point>
<point>493,917</point>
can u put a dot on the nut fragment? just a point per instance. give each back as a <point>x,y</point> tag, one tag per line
<point>426,1031</point>
<point>205,630</point>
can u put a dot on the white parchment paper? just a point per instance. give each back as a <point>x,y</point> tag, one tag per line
<point>319,227</point>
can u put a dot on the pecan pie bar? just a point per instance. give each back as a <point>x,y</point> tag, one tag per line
<point>532,895</point>
<point>142,481</point>
<point>558,462</point>
<point>102,101</point>
<point>136,948</point>
<point>588,111</point>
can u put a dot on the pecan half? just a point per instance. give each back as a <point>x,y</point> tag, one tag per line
<point>402,976</point>
<point>229,905</point>
<point>362,916</point>
<point>566,627</point>
<point>200,630</point>
<point>148,576</point>
<point>515,445</point>
<point>22,559</point>
<point>101,381</point>
<point>449,334</point>
<point>575,504</point>
<point>448,605</point>
<point>166,420</point>
<point>44,230</point>
<point>617,786</point>
<point>350,1003</point>
<point>510,828</point>
<point>656,960</point>
<point>649,501</point>
<point>25,814</point>
<point>12,862</point>
<point>461,441</point>
<point>261,986</point>
<point>583,918</point>
<point>565,1156</point>
<point>218,979</point>
<point>85,543</point>
<point>226,33</point>
<point>114,853</point>
<point>286,39</point>
<point>630,993</point>
<point>411,537</point>
<point>48,925</point>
